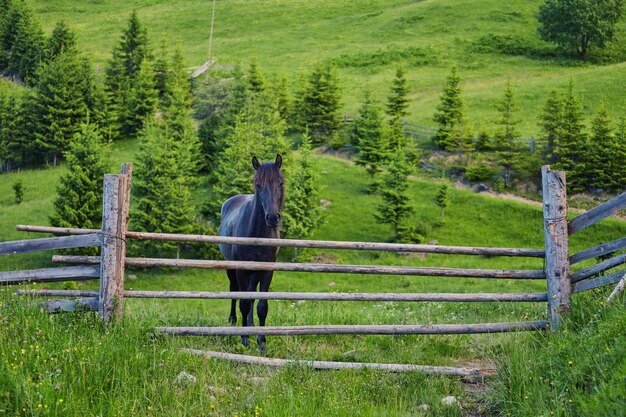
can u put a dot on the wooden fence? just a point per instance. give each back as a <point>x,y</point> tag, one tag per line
<point>109,268</point>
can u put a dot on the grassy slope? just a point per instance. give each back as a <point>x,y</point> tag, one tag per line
<point>287,37</point>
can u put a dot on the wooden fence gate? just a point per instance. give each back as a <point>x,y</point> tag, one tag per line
<point>109,269</point>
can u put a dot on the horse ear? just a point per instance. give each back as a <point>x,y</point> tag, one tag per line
<point>279,161</point>
<point>255,163</point>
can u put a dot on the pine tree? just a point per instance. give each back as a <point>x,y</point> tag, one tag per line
<point>396,206</point>
<point>319,105</point>
<point>60,105</point>
<point>601,171</point>
<point>551,126</point>
<point>453,132</point>
<point>572,141</point>
<point>397,102</point>
<point>302,209</point>
<point>442,200</point>
<point>367,135</point>
<point>79,194</point>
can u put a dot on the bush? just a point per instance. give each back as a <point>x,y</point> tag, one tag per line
<point>480,172</point>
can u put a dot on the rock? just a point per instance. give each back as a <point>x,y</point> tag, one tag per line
<point>423,407</point>
<point>325,203</point>
<point>480,188</point>
<point>184,378</point>
<point>449,400</point>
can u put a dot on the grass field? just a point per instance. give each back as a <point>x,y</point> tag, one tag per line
<point>68,365</point>
<point>490,40</point>
<point>59,366</point>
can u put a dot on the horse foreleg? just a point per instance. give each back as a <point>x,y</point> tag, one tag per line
<point>232,277</point>
<point>245,306</point>
<point>263,307</point>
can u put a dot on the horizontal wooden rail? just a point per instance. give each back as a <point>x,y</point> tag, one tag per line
<point>597,213</point>
<point>598,268</point>
<point>313,296</point>
<point>319,244</point>
<point>599,250</point>
<point>592,284</point>
<point>311,267</point>
<point>50,243</point>
<point>66,273</point>
<point>356,329</point>
<point>389,367</point>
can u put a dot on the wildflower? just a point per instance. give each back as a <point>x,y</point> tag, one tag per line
<point>601,303</point>
<point>570,362</point>
<point>60,401</point>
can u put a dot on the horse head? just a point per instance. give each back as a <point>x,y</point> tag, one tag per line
<point>270,189</point>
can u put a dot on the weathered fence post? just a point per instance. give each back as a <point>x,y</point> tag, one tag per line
<point>113,245</point>
<point>127,171</point>
<point>557,246</point>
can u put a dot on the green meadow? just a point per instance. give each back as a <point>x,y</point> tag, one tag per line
<point>69,365</point>
<point>491,42</point>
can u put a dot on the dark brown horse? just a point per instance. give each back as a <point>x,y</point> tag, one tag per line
<point>253,215</point>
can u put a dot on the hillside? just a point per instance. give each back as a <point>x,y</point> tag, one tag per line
<point>488,39</point>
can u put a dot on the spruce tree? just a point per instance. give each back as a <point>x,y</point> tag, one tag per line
<point>442,199</point>
<point>62,39</point>
<point>60,106</point>
<point>22,42</point>
<point>161,191</point>
<point>319,105</point>
<point>619,156</point>
<point>601,170</point>
<point>367,135</point>
<point>396,205</point>
<point>79,194</point>
<point>507,151</point>
<point>551,126</point>
<point>397,102</point>
<point>573,140</point>
<point>453,130</point>
<point>121,75</point>
<point>256,81</point>
<point>302,209</point>
<point>142,100</point>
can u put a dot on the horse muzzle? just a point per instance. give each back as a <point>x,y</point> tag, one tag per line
<point>272,220</point>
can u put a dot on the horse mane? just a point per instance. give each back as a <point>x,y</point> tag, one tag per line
<point>267,173</point>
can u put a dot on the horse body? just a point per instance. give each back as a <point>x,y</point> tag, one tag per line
<point>253,215</point>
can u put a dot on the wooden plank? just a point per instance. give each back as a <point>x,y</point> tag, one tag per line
<point>319,244</point>
<point>557,268</point>
<point>598,213</point>
<point>599,268</point>
<point>389,367</point>
<point>407,329</point>
<point>619,288</point>
<point>65,306</point>
<point>312,296</point>
<point>591,284</point>
<point>50,243</point>
<point>600,250</point>
<point>66,273</point>
<point>312,267</point>
<point>111,261</point>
